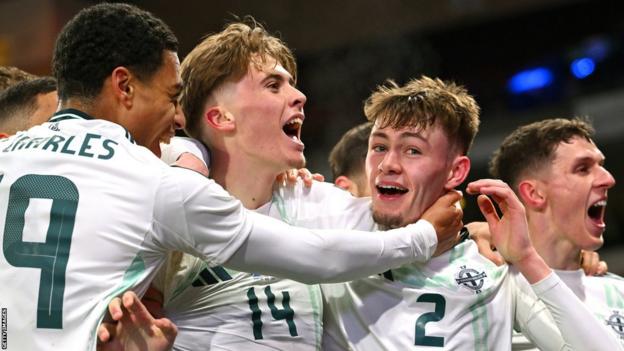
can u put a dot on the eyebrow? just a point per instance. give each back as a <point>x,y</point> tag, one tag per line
<point>403,135</point>
<point>586,159</point>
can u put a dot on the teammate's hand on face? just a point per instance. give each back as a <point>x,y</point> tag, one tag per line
<point>290,177</point>
<point>192,162</point>
<point>135,328</point>
<point>480,234</point>
<point>592,265</point>
<point>446,217</point>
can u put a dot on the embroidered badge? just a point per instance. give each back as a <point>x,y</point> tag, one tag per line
<point>616,322</point>
<point>471,279</point>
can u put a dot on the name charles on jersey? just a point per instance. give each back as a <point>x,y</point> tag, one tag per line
<point>90,145</point>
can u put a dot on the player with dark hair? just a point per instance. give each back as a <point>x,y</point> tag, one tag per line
<point>26,104</point>
<point>559,175</point>
<point>347,160</point>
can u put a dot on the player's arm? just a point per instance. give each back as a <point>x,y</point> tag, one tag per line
<point>212,225</point>
<point>579,328</point>
<point>339,255</point>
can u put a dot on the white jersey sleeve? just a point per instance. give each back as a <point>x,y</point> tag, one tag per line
<point>217,307</point>
<point>580,330</point>
<point>179,145</point>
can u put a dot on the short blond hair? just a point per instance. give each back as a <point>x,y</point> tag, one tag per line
<point>223,56</point>
<point>421,103</point>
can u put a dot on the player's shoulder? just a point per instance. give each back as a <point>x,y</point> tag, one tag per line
<point>609,278</point>
<point>319,192</point>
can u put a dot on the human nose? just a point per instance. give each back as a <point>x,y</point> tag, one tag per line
<point>179,119</point>
<point>390,163</point>
<point>605,178</point>
<point>298,98</point>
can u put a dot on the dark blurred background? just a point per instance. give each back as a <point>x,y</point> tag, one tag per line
<point>523,60</point>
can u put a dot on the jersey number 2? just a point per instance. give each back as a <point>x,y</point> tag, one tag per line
<point>50,256</point>
<point>440,305</point>
<point>286,313</point>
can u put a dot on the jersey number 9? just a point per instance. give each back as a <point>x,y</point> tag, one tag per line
<point>50,256</point>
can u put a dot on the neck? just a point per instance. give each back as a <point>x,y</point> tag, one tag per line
<point>250,182</point>
<point>558,252</point>
<point>96,108</point>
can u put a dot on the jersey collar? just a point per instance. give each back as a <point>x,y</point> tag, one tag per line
<point>71,113</point>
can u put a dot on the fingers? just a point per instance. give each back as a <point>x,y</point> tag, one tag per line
<point>450,198</point>
<point>306,176</point>
<point>591,263</point>
<point>106,331</point>
<point>115,310</point>
<point>497,190</point>
<point>603,268</point>
<point>291,176</point>
<point>487,209</point>
<point>169,330</point>
<point>318,177</point>
<point>138,314</point>
<point>485,249</point>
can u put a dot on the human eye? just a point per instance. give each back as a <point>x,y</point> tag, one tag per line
<point>273,85</point>
<point>378,148</point>
<point>582,168</point>
<point>413,151</point>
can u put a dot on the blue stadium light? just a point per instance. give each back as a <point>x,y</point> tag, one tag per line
<point>530,79</point>
<point>582,67</point>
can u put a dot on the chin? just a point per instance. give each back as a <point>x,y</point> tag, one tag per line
<point>297,163</point>
<point>388,220</point>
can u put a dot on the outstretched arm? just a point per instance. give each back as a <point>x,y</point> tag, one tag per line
<point>341,255</point>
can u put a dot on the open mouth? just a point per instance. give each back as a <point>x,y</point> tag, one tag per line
<point>292,128</point>
<point>597,211</point>
<point>390,190</point>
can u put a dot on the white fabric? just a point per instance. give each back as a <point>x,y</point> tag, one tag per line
<point>602,297</point>
<point>179,145</point>
<point>131,208</point>
<point>379,313</point>
<point>215,313</point>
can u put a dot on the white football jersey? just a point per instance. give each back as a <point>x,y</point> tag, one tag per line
<point>604,296</point>
<point>222,309</point>
<point>458,300</point>
<point>86,214</point>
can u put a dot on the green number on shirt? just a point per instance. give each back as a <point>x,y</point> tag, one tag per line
<point>49,256</point>
<point>286,313</point>
<point>440,305</point>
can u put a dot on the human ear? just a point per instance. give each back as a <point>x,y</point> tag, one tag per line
<point>531,193</point>
<point>458,172</point>
<point>219,118</point>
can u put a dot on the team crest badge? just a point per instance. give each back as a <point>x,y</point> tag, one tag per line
<point>471,279</point>
<point>616,322</point>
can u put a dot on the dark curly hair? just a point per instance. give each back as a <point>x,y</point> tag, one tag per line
<point>105,36</point>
